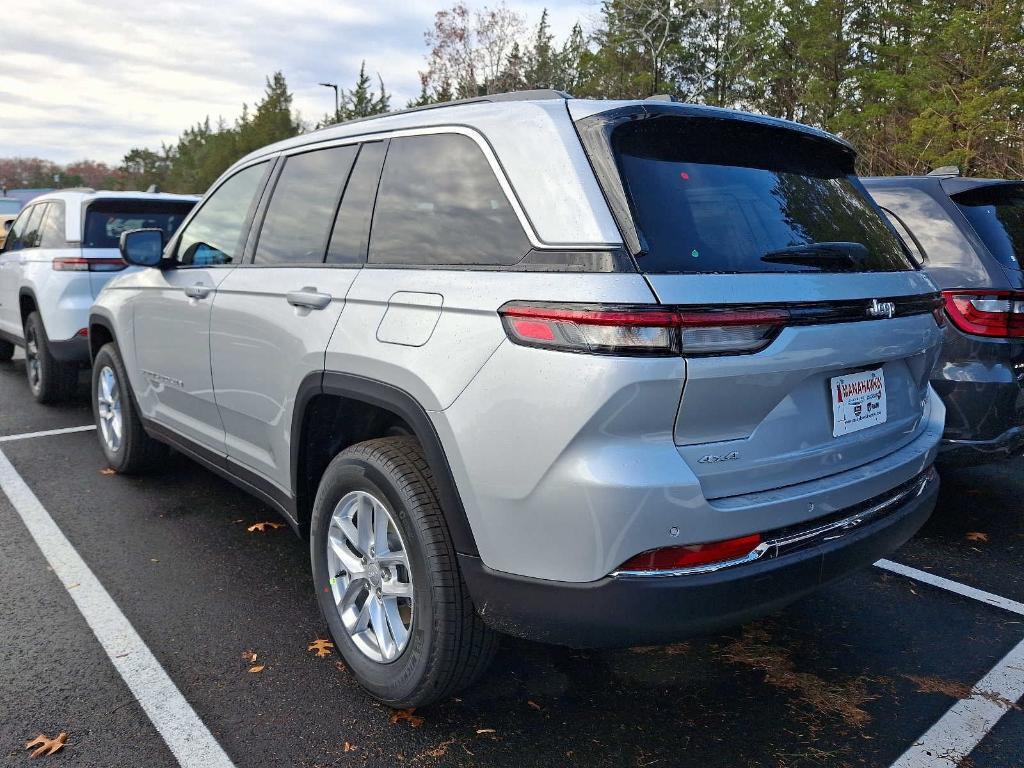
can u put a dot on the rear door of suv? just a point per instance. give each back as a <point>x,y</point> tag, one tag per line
<point>808,334</point>
<point>274,315</point>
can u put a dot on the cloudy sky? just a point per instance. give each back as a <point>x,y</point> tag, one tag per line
<point>94,78</point>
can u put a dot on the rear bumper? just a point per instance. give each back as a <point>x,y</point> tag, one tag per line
<point>981,384</point>
<point>74,350</point>
<point>623,611</point>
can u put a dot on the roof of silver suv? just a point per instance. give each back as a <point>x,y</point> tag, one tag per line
<point>564,205</point>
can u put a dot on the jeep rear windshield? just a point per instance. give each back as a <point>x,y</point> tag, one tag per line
<point>997,214</point>
<point>105,220</point>
<point>723,195</point>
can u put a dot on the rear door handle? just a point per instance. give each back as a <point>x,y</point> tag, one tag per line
<point>197,291</point>
<point>308,298</point>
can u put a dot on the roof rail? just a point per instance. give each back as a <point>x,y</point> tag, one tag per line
<point>89,190</point>
<point>539,94</point>
<point>661,97</point>
<point>946,170</point>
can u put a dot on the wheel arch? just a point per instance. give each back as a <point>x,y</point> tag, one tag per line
<point>101,331</point>
<point>348,391</point>
<point>27,303</point>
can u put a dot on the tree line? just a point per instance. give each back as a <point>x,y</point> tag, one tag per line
<point>913,84</point>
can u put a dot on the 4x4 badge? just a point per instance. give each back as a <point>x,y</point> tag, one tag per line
<point>711,459</point>
<point>881,308</point>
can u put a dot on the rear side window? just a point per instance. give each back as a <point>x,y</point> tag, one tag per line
<point>997,214</point>
<point>216,234</point>
<point>352,226</point>
<point>301,211</point>
<point>105,220</point>
<point>51,235</point>
<point>30,236</point>
<point>729,196</point>
<point>440,203</point>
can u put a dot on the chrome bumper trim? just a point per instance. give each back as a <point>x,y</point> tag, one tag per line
<point>791,540</point>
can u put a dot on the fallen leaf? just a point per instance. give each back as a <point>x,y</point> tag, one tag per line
<point>45,745</point>
<point>406,714</point>
<point>977,536</point>
<point>322,647</point>
<point>249,656</point>
<point>481,731</point>
<point>262,527</point>
<point>534,705</point>
<point>108,471</point>
<point>257,668</point>
<point>350,747</point>
<point>440,750</point>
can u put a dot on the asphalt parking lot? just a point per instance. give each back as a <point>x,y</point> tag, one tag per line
<point>853,676</point>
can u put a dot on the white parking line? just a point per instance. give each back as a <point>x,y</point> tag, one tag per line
<point>188,738</point>
<point>47,433</point>
<point>963,727</point>
<point>953,586</point>
<point>970,720</point>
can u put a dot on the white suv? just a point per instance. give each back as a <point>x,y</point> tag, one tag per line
<point>60,252</point>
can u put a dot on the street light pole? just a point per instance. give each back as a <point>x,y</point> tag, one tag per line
<point>337,102</point>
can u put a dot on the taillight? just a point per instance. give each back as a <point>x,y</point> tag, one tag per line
<point>78,264</point>
<point>987,313</point>
<point>638,330</point>
<point>693,555</point>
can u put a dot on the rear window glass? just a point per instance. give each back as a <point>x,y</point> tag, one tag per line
<point>105,220</point>
<point>728,196</point>
<point>997,215</point>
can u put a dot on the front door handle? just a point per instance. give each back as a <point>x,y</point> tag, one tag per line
<point>198,291</point>
<point>308,298</point>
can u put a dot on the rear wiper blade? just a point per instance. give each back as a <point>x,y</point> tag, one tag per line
<point>839,254</point>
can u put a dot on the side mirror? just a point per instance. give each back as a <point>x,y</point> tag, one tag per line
<point>7,225</point>
<point>142,247</point>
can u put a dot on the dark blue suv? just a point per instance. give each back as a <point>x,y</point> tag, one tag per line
<point>968,235</point>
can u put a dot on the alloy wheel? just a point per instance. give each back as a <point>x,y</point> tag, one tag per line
<point>108,400</point>
<point>32,358</point>
<point>370,577</point>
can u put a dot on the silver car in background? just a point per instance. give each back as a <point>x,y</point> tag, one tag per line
<point>588,372</point>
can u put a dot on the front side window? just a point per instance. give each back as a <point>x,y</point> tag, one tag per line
<point>216,235</point>
<point>439,203</point>
<point>299,218</point>
<point>731,196</point>
<point>105,220</point>
<point>997,214</point>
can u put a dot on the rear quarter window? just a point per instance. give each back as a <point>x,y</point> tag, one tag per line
<point>712,195</point>
<point>439,203</point>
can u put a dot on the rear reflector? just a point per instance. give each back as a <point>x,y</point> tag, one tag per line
<point>78,264</point>
<point>987,313</point>
<point>632,330</point>
<point>692,556</point>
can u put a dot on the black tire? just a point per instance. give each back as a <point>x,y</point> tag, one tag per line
<point>6,351</point>
<point>449,646</point>
<point>136,451</point>
<point>49,379</point>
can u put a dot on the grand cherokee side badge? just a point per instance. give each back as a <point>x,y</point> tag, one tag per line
<point>712,459</point>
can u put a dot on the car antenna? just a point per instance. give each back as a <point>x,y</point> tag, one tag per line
<point>153,188</point>
<point>946,170</point>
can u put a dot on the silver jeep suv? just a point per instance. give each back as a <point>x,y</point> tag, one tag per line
<point>593,373</point>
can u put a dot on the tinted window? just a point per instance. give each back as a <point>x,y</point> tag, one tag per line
<point>105,220</point>
<point>906,235</point>
<point>728,196</point>
<point>13,242</point>
<point>352,227</point>
<point>301,212</point>
<point>217,233</point>
<point>30,237</point>
<point>997,215</point>
<point>51,234</point>
<point>439,203</point>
